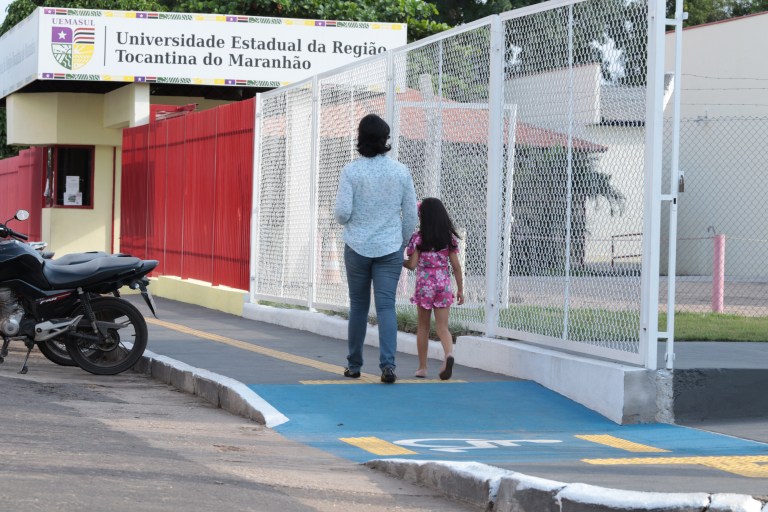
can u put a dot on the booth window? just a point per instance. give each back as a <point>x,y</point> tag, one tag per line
<point>70,168</point>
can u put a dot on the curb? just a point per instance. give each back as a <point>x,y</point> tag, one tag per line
<point>485,487</point>
<point>231,395</point>
<point>494,489</point>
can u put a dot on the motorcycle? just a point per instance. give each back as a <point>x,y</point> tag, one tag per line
<point>55,349</point>
<point>39,301</point>
<point>40,247</point>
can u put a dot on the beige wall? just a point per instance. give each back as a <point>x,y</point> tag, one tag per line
<point>724,68</point>
<point>127,106</point>
<point>623,161</point>
<point>550,109</point>
<point>118,204</point>
<point>59,118</point>
<point>724,75</point>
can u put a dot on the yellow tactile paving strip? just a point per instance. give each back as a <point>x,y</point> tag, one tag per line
<point>750,466</point>
<point>283,356</point>
<point>365,378</point>
<point>377,446</point>
<point>621,444</point>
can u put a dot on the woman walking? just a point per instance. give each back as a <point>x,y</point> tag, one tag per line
<point>376,204</point>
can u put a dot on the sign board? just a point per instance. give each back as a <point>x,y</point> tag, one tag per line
<point>19,55</point>
<point>204,49</point>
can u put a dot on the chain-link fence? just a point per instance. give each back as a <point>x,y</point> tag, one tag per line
<point>531,132</point>
<point>722,242</point>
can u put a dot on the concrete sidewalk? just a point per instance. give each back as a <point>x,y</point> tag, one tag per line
<point>219,371</point>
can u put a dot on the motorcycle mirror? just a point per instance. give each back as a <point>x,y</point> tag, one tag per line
<point>22,215</point>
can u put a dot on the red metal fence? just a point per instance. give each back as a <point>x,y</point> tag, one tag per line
<point>21,187</point>
<point>186,194</point>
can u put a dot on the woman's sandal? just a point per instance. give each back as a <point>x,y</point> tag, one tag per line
<point>446,372</point>
<point>421,373</point>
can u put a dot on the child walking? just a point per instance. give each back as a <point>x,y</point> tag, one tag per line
<point>430,250</point>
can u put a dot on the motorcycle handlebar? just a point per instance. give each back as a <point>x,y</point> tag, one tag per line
<point>5,232</point>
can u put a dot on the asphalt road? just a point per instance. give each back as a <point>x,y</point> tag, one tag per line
<point>73,441</point>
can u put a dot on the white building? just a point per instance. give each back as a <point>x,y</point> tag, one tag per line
<point>724,146</point>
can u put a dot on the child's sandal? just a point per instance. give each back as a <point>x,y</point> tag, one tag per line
<point>421,373</point>
<point>446,372</point>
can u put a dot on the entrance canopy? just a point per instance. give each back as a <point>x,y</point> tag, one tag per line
<point>114,47</point>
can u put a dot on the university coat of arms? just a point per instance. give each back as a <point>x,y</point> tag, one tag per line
<point>73,47</point>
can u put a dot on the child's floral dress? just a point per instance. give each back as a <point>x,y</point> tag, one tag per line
<point>433,277</point>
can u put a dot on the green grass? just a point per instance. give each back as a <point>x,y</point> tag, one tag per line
<point>717,327</point>
<point>586,324</point>
<point>589,324</point>
<point>407,321</point>
<point>281,305</point>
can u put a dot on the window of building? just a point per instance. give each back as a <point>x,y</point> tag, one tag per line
<point>70,170</point>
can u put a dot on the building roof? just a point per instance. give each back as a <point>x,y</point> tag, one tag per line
<point>466,124</point>
<point>720,22</point>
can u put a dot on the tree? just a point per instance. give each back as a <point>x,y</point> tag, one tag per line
<point>540,206</point>
<point>20,9</point>
<point>420,15</point>
<point>540,42</point>
<point>5,150</point>
<point>708,11</point>
<point>744,7</point>
<point>456,12</point>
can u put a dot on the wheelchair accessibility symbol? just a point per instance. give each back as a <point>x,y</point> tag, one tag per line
<point>458,445</point>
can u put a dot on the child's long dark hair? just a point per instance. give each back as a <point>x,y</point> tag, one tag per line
<point>436,226</point>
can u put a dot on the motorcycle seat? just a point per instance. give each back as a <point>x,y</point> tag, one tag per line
<point>78,257</point>
<point>90,272</point>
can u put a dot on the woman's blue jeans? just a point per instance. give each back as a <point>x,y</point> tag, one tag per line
<point>384,273</point>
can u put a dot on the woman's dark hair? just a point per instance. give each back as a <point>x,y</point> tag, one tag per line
<point>436,226</point>
<point>372,135</point>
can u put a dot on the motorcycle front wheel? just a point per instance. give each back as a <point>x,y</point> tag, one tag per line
<point>120,342</point>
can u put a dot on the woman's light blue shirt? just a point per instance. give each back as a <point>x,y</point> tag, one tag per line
<point>376,204</point>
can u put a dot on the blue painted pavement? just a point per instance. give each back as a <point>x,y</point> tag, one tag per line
<point>491,422</point>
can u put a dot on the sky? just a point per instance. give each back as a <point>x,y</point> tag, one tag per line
<point>3,5</point>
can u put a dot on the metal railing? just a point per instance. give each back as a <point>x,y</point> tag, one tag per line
<point>532,137</point>
<point>722,246</point>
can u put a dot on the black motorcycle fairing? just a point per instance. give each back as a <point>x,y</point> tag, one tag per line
<point>19,259</point>
<point>42,304</point>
